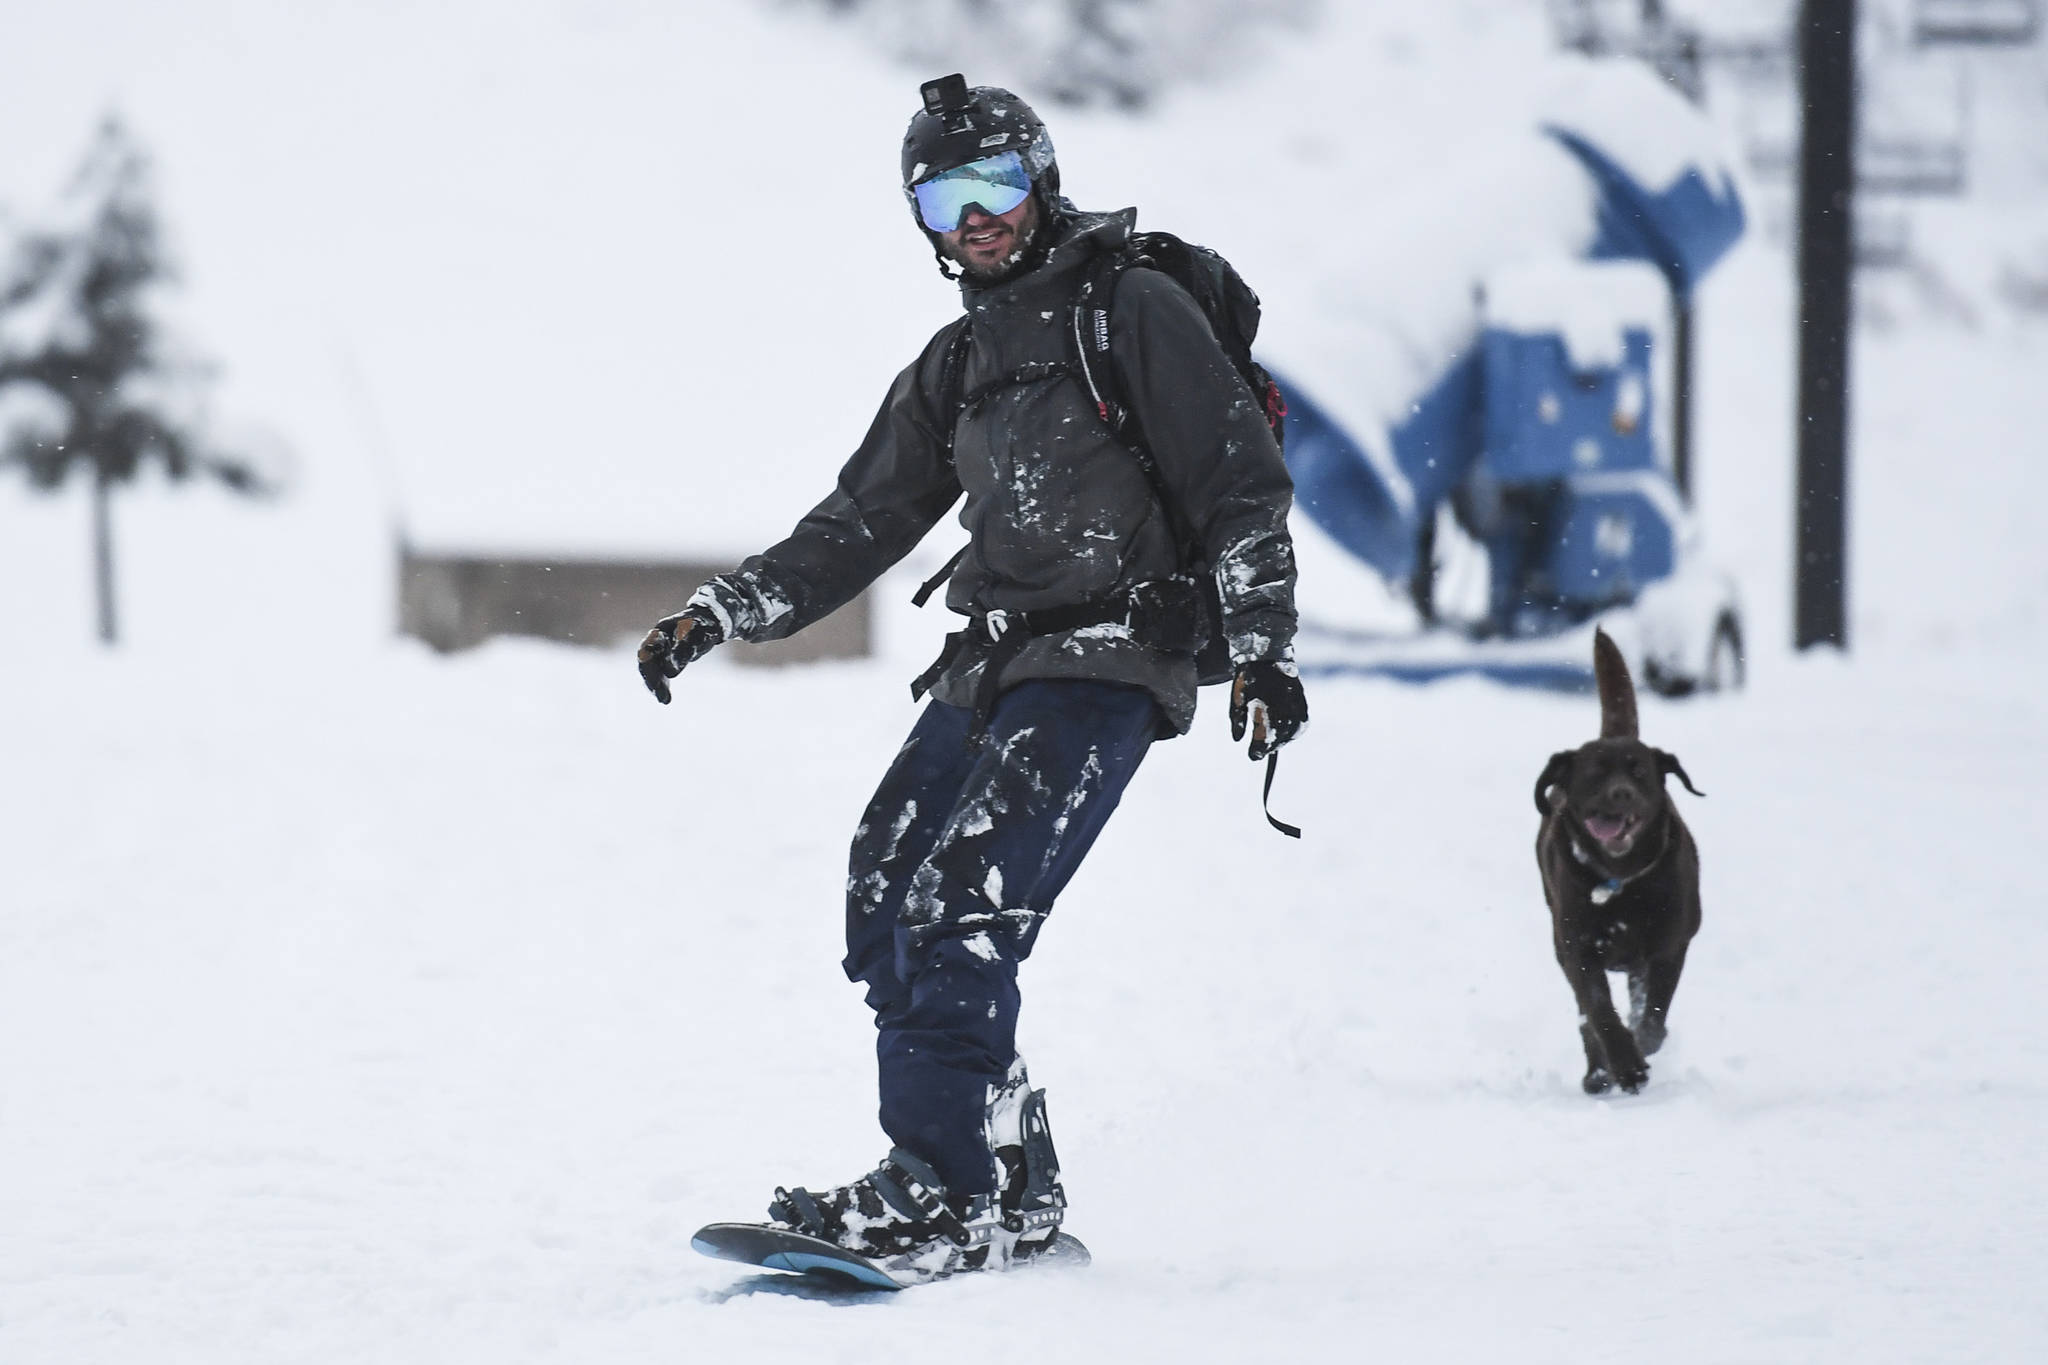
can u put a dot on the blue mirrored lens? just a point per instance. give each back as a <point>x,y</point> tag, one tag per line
<point>997,183</point>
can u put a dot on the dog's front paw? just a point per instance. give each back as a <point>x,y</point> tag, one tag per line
<point>1597,1081</point>
<point>1632,1075</point>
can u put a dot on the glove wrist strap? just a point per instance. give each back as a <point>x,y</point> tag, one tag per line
<point>1266,799</point>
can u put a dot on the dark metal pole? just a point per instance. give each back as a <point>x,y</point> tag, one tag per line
<point>1681,394</point>
<point>1827,181</point>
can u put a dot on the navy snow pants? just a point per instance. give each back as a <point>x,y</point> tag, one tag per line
<point>953,869</point>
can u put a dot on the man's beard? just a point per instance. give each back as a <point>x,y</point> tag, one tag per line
<point>1022,258</point>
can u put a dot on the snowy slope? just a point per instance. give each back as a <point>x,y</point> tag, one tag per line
<point>361,1005</point>
<point>419,1011</point>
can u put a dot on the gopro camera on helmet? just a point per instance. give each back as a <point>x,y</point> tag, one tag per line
<point>946,95</point>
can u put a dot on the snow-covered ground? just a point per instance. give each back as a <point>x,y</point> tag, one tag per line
<point>357,1004</point>
<point>387,1008</point>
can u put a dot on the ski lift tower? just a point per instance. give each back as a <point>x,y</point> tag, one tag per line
<point>1826,259</point>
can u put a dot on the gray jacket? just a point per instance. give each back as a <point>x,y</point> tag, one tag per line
<point>1058,511</point>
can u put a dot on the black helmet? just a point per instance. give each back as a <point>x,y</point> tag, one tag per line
<point>958,125</point>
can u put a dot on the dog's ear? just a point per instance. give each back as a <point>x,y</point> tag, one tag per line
<point>1669,764</point>
<point>1557,770</point>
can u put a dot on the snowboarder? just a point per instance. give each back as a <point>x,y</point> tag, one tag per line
<point>1078,654</point>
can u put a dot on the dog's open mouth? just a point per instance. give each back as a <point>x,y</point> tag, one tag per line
<point>1615,832</point>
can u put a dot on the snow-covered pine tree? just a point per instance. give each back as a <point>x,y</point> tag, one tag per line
<point>83,384</point>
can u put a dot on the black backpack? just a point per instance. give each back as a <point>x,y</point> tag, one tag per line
<point>1233,313</point>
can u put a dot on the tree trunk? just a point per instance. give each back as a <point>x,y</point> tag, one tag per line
<point>103,559</point>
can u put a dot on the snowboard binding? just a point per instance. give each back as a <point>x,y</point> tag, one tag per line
<point>899,1226</point>
<point>900,1211</point>
<point>1029,1196</point>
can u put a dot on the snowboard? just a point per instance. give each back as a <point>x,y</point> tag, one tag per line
<point>777,1248</point>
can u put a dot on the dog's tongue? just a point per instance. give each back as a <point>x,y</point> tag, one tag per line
<point>1605,828</point>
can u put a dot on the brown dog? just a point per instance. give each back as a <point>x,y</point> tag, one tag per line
<point>1622,876</point>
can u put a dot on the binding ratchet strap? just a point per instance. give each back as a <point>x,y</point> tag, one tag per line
<point>800,1206</point>
<point>912,1188</point>
<point>1273,767</point>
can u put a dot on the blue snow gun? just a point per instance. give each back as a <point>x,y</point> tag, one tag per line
<point>1558,437</point>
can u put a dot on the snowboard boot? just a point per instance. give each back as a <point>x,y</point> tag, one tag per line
<point>900,1217</point>
<point>1029,1196</point>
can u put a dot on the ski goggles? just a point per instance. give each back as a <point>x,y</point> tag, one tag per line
<point>995,184</point>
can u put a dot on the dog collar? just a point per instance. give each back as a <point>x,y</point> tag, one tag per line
<point>1607,890</point>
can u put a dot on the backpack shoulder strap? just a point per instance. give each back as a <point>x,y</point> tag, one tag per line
<point>953,379</point>
<point>952,398</point>
<point>1090,328</point>
<point>1104,383</point>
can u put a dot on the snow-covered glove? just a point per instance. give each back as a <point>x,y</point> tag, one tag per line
<point>1267,699</point>
<point>674,644</point>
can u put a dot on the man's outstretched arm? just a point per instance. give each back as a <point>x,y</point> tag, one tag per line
<point>891,492</point>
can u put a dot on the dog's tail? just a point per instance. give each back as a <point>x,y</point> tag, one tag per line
<point>1617,693</point>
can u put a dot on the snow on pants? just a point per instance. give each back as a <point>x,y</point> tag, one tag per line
<point>953,869</point>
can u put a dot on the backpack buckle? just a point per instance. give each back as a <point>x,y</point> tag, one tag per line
<point>995,625</point>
